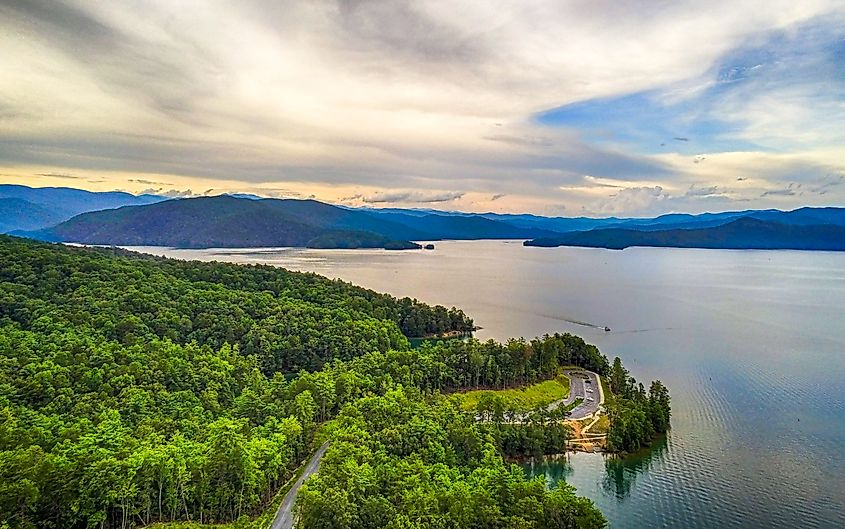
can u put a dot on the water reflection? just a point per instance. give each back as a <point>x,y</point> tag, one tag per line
<point>621,473</point>
<point>747,343</point>
<point>553,468</point>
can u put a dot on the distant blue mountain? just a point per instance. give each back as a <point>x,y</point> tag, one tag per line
<point>801,216</point>
<point>743,233</point>
<point>248,220</point>
<point>226,221</point>
<point>804,216</point>
<point>557,224</point>
<point>523,221</point>
<point>441,225</point>
<point>20,214</point>
<point>33,208</point>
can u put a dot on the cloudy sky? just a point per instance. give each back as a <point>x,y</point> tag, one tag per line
<point>587,107</point>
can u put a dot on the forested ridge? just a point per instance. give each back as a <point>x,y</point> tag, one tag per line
<point>289,320</point>
<point>136,390</point>
<point>225,221</point>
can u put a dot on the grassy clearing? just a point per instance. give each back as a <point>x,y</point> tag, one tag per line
<point>521,399</point>
<point>577,402</point>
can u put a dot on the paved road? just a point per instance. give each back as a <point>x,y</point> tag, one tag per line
<point>284,516</point>
<point>585,385</point>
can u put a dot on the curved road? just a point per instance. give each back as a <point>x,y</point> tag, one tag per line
<point>284,516</point>
<point>585,385</point>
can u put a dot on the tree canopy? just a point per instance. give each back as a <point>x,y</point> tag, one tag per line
<point>136,389</point>
<point>636,416</point>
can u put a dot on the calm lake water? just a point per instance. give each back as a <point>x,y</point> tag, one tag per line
<point>750,343</point>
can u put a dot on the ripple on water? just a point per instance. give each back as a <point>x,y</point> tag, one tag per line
<point>747,342</point>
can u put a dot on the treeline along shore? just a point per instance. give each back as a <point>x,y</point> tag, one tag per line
<point>136,390</point>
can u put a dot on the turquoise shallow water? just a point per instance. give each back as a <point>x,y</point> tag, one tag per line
<point>750,343</point>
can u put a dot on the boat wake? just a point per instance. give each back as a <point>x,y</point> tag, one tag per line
<point>602,327</point>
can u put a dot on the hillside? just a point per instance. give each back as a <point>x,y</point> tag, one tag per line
<point>743,233</point>
<point>250,221</point>
<point>137,390</point>
<point>226,221</point>
<point>20,214</point>
<point>33,208</point>
<point>444,225</point>
<point>525,224</point>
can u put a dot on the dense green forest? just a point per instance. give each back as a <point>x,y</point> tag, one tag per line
<point>635,416</point>
<point>400,461</point>
<point>136,389</point>
<point>289,321</point>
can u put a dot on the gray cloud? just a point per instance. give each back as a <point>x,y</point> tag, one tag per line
<point>416,197</point>
<point>656,200</point>
<point>534,141</point>
<point>786,192</point>
<point>630,199</point>
<point>59,175</point>
<point>173,193</point>
<point>826,184</point>
<point>354,94</point>
<point>404,27</point>
<point>165,81</point>
<point>149,182</point>
<point>707,191</point>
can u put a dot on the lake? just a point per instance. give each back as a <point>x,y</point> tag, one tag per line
<point>750,343</point>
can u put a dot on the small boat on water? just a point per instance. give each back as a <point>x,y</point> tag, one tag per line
<point>606,329</point>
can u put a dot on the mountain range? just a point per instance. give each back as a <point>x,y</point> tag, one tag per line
<point>225,221</point>
<point>34,208</point>
<point>743,233</point>
<point>115,218</point>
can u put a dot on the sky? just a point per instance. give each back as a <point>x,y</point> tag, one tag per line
<point>570,108</point>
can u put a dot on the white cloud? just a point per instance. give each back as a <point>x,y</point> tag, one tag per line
<point>707,191</point>
<point>173,193</point>
<point>327,97</point>
<point>632,199</point>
